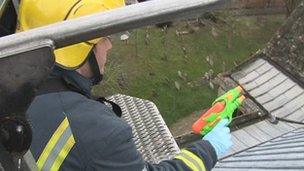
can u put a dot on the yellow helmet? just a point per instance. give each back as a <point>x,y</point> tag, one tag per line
<point>36,13</point>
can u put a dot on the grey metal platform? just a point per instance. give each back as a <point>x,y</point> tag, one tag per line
<point>258,133</point>
<point>151,134</point>
<point>283,153</point>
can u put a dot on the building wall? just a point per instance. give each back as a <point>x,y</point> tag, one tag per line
<point>260,3</point>
<point>287,46</point>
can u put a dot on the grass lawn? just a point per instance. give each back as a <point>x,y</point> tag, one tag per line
<point>150,70</point>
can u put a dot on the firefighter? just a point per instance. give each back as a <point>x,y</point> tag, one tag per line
<point>71,130</point>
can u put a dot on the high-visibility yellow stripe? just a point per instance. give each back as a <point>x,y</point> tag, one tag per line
<point>63,153</point>
<point>50,145</point>
<point>194,157</point>
<point>187,162</point>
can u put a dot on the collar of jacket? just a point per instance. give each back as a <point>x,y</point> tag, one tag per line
<point>73,80</point>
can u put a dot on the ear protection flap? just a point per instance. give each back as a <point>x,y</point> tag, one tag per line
<point>97,76</point>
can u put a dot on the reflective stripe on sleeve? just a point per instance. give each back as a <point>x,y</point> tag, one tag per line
<point>63,153</point>
<point>57,148</point>
<point>191,160</point>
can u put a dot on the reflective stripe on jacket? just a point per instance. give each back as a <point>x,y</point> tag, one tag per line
<point>57,148</point>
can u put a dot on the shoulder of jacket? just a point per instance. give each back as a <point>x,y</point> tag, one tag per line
<point>90,113</point>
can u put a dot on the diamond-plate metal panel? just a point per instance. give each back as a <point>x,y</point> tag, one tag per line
<point>151,135</point>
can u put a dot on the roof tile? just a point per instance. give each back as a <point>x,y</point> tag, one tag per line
<point>249,77</point>
<point>257,63</point>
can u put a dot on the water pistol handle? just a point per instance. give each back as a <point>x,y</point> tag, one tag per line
<point>223,107</point>
<point>208,117</point>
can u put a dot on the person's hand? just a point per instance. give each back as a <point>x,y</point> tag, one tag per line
<point>220,138</point>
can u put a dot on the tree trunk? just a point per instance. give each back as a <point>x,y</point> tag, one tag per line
<point>291,5</point>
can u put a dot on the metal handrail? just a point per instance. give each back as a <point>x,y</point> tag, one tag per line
<point>105,23</point>
<point>3,4</point>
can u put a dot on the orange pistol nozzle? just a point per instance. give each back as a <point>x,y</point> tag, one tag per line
<point>239,89</point>
<point>241,99</point>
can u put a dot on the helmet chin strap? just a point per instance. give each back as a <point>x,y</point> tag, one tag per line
<point>97,76</point>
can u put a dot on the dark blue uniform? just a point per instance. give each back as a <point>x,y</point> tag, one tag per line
<point>73,132</point>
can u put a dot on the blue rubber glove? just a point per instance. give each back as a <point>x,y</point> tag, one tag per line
<point>220,138</point>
